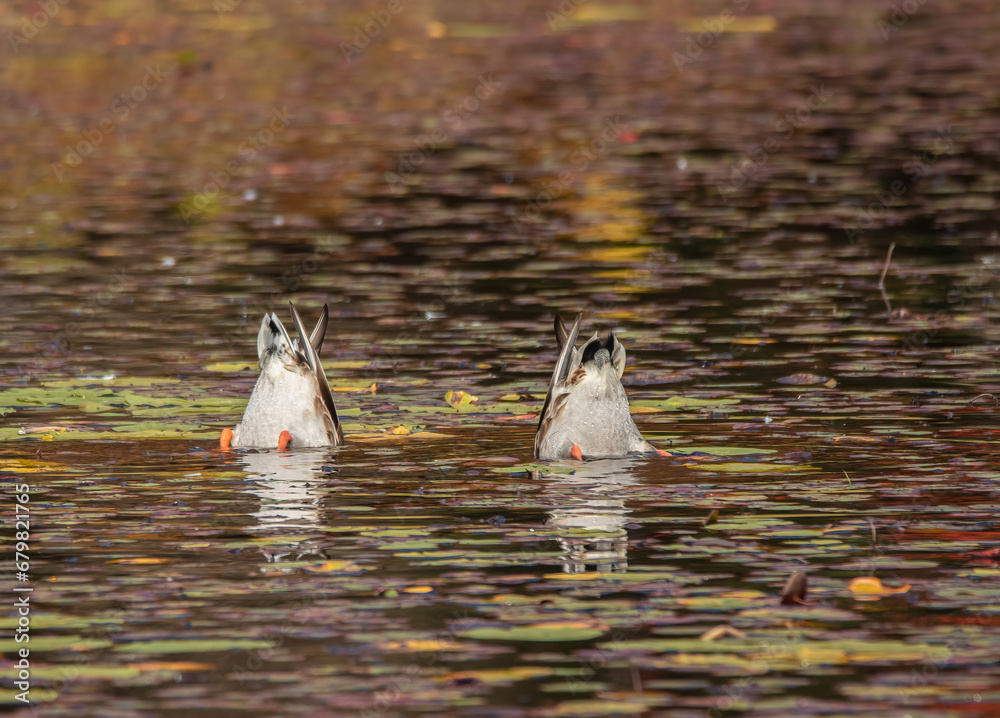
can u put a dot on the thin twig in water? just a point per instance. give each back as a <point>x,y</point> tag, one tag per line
<point>848,477</point>
<point>636,680</point>
<point>881,280</point>
<point>874,540</point>
<point>980,396</point>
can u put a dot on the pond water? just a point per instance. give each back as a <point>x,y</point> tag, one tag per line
<point>446,189</point>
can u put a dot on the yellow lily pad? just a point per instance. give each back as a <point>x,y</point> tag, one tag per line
<point>460,398</point>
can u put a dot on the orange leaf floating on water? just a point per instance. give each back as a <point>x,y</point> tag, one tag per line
<point>419,589</point>
<point>420,645</point>
<point>173,666</point>
<point>645,410</point>
<point>753,340</point>
<point>331,566</point>
<point>585,623</point>
<point>356,390</point>
<point>714,634</point>
<point>400,430</point>
<point>872,586</point>
<point>140,560</point>
<point>496,675</point>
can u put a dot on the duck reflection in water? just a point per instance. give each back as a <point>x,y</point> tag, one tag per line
<point>288,485</point>
<point>590,515</point>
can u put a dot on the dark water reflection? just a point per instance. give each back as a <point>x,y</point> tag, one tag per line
<point>430,567</point>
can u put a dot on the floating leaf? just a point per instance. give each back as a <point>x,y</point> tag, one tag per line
<point>581,708</point>
<point>714,634</point>
<point>460,398</point>
<point>420,646</point>
<point>682,402</point>
<point>173,666</point>
<point>497,676</point>
<point>803,379</point>
<point>195,645</point>
<point>873,586</point>
<point>548,632</point>
<point>333,567</point>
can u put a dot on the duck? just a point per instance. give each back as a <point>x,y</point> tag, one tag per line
<point>291,404</point>
<point>585,414</point>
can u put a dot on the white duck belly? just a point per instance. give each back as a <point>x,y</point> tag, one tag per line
<point>283,400</point>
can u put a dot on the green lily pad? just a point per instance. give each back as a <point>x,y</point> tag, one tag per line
<point>203,645</point>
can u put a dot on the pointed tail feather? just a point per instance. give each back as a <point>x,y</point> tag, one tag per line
<point>566,349</point>
<point>566,340</point>
<point>319,331</point>
<point>312,358</point>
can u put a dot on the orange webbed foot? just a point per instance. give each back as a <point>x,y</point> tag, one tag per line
<point>661,452</point>
<point>284,439</point>
<point>576,452</point>
<point>226,438</point>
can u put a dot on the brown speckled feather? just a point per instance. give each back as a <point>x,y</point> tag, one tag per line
<point>325,399</point>
<point>565,339</point>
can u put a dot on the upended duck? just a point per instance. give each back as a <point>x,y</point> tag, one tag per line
<point>585,415</point>
<point>291,403</point>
